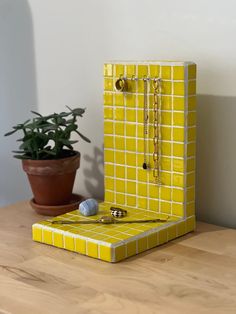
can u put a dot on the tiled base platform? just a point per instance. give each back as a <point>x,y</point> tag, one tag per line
<point>111,243</point>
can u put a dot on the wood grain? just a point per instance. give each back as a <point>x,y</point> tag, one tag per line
<point>193,274</point>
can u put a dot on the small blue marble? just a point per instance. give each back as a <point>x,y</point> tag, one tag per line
<point>88,207</point>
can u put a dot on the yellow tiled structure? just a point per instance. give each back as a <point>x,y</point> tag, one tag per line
<point>127,184</point>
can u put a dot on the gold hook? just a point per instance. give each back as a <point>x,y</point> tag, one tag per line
<point>121,85</point>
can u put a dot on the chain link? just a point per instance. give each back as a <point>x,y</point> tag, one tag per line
<point>156,124</point>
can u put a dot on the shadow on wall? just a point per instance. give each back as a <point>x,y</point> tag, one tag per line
<point>216,162</point>
<point>17,92</point>
<point>94,178</point>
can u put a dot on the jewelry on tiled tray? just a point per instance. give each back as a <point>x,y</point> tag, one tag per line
<point>107,220</point>
<point>118,212</point>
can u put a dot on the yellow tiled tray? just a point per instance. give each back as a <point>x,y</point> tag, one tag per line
<point>127,184</point>
<point>111,243</point>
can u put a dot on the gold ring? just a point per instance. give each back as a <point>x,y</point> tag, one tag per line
<point>121,85</point>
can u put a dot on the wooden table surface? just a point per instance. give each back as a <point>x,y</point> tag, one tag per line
<point>193,274</point>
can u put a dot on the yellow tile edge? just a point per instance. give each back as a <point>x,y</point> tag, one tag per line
<point>112,252</point>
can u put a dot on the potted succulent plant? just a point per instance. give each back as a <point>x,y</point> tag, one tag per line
<point>49,159</point>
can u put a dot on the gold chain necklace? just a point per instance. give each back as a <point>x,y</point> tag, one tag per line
<point>145,123</point>
<point>156,125</point>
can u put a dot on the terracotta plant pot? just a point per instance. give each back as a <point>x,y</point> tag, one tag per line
<point>52,181</point>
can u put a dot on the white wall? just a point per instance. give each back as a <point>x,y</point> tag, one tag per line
<point>62,50</point>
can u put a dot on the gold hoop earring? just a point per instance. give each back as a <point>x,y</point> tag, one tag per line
<point>121,85</point>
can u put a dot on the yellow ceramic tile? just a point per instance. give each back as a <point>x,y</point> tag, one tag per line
<point>192,134</point>
<point>105,253</point>
<point>142,71</point>
<point>181,228</point>
<point>162,236</point>
<point>131,187</point>
<point>108,84</point>
<point>120,186</point>
<point>154,71</point>
<point>131,159</point>
<point>153,204</point>
<point>131,144</point>
<point>109,182</point>
<point>142,189</point>
<point>119,114</point>
<point>120,172</point>
<point>109,170</point>
<point>191,118</point>
<point>119,70</point>
<point>190,194</point>
<point>131,201</point>
<point>108,70</point>
<point>190,209</point>
<point>190,179</point>
<point>166,133</point>
<point>191,164</point>
<point>166,72</point>
<point>142,202</point>
<point>190,224</point>
<point>131,100</point>
<point>140,116</point>
<point>178,150</point>
<point>178,118</point>
<point>131,115</point>
<point>178,72</point>
<point>152,240</point>
<point>178,195</point>
<point>108,141</point>
<point>80,246</point>
<point>172,234</point>
<point>166,118</point>
<point>178,165</point>
<point>142,175</point>
<point>108,99</point>
<point>140,86</point>
<point>140,145</point>
<point>153,190</point>
<point>130,70</point>
<point>178,134</point>
<point>192,71</point>
<point>108,155</point>
<point>140,130</point>
<point>119,99</point>
<point>166,148</point>
<point>140,101</point>
<point>108,127</point>
<point>120,157</point>
<point>178,103</point>
<point>108,113</point>
<point>165,178</point>
<point>58,240</point>
<point>166,163</point>
<point>47,236</point>
<point>131,86</point>
<point>37,233</point>
<point>131,248</point>
<point>179,88</point>
<point>192,103</point>
<point>92,249</point>
<point>131,173</point>
<point>119,128</point>
<point>119,142</point>
<point>130,130</point>
<point>69,243</point>
<point>120,198</point>
<point>192,87</point>
<point>178,180</point>
<point>191,149</point>
<point>178,209</point>
<point>120,253</point>
<point>166,102</point>
<point>165,207</point>
<point>165,193</point>
<point>142,245</point>
<point>109,196</point>
<point>166,88</point>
